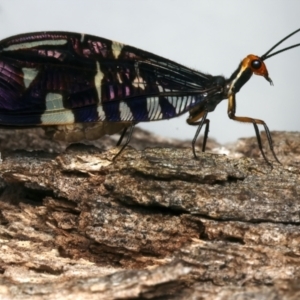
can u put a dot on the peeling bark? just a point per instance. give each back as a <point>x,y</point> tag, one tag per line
<point>155,223</point>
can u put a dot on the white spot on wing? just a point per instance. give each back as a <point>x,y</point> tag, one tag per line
<point>138,82</point>
<point>189,101</point>
<point>58,118</point>
<point>183,104</point>
<point>54,101</point>
<point>82,37</point>
<point>98,79</point>
<point>150,107</point>
<point>35,44</point>
<point>28,75</point>
<point>101,113</point>
<point>177,101</point>
<point>116,48</point>
<point>160,88</point>
<point>172,101</point>
<point>153,108</point>
<point>119,78</point>
<point>55,113</point>
<point>125,112</point>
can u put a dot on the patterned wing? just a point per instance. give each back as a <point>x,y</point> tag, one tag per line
<point>58,78</point>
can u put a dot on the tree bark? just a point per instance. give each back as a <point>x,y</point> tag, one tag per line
<point>154,223</point>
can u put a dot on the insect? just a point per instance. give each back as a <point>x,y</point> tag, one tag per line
<point>81,86</point>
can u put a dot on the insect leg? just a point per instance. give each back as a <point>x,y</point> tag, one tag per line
<point>255,122</point>
<point>122,136</point>
<point>127,140</point>
<point>200,125</point>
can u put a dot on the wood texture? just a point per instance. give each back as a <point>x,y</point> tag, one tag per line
<point>155,224</point>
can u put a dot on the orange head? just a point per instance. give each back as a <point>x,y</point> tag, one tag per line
<point>257,66</point>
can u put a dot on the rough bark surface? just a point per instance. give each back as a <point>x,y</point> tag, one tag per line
<point>154,224</point>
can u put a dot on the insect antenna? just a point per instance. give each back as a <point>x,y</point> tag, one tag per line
<point>267,55</point>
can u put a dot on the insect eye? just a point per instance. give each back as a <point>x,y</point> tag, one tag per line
<point>256,64</point>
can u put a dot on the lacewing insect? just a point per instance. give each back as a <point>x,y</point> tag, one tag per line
<point>82,87</point>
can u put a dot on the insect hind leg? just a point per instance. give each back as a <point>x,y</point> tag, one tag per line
<point>203,121</point>
<point>122,136</point>
<point>131,127</point>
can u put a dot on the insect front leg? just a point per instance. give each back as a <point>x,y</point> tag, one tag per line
<point>200,124</point>
<point>255,122</point>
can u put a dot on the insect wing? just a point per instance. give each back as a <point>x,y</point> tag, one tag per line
<point>53,78</point>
